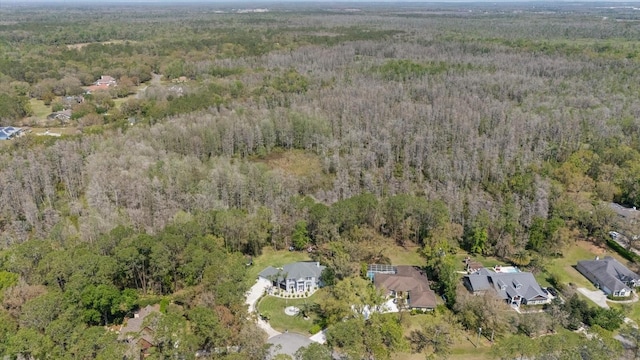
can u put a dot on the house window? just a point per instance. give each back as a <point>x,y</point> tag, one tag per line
<point>309,278</point>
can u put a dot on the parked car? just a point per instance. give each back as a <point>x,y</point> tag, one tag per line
<point>614,234</point>
<point>552,291</point>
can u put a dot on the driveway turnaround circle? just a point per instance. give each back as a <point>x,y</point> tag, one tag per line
<point>287,343</point>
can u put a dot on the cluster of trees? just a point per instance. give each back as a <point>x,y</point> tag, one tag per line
<point>55,295</point>
<point>312,130</point>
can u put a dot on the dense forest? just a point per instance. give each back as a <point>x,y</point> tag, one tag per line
<point>502,131</point>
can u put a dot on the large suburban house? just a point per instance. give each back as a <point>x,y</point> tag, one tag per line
<point>515,287</point>
<point>295,277</point>
<point>609,275</point>
<point>405,284</point>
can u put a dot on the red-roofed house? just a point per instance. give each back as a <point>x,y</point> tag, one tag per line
<point>103,84</point>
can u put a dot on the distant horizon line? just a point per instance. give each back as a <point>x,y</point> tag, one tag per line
<point>275,2</point>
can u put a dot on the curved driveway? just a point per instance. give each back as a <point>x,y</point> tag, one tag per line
<point>283,343</point>
<point>253,295</point>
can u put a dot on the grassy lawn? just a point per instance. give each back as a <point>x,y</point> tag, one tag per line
<point>119,101</point>
<point>463,346</point>
<point>40,110</point>
<point>564,267</point>
<point>486,261</point>
<point>632,311</point>
<point>274,306</point>
<point>275,258</point>
<point>409,255</point>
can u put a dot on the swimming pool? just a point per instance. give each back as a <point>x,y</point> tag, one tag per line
<point>506,269</point>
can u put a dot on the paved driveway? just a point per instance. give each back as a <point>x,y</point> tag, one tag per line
<point>255,292</point>
<point>287,343</point>
<point>597,297</point>
<point>252,298</point>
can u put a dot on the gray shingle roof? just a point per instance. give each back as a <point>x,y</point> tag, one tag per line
<point>133,326</point>
<point>268,272</point>
<point>627,213</point>
<point>297,270</point>
<point>507,285</point>
<point>608,272</point>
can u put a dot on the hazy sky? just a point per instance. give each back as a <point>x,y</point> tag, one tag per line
<point>294,1</point>
<point>266,2</point>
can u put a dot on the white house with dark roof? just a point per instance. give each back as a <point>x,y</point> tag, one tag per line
<point>609,275</point>
<point>295,277</point>
<point>516,288</point>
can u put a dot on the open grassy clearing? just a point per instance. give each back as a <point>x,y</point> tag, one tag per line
<point>294,162</point>
<point>564,267</point>
<point>39,109</point>
<point>274,307</point>
<point>300,164</point>
<point>486,261</point>
<point>119,101</point>
<point>409,255</point>
<point>110,42</point>
<point>54,130</point>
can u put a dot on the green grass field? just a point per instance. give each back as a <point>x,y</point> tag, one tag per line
<point>486,261</point>
<point>40,110</point>
<point>300,164</point>
<point>274,307</point>
<point>564,267</point>
<point>409,255</point>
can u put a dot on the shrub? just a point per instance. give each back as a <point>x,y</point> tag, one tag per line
<point>164,303</point>
<point>315,329</point>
